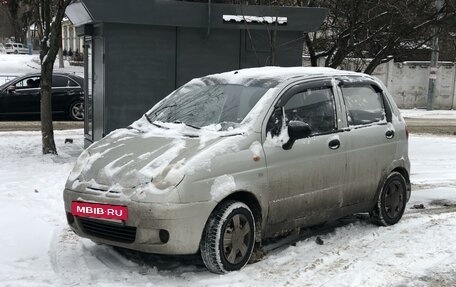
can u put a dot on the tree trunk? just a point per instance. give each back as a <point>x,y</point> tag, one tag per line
<point>311,49</point>
<point>61,65</point>
<point>372,65</point>
<point>48,54</point>
<point>47,129</point>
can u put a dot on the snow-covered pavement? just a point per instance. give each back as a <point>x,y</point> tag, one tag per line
<point>37,248</point>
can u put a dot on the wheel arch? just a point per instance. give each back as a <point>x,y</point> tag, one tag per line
<point>252,202</point>
<point>406,176</point>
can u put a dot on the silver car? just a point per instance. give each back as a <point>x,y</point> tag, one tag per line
<point>231,159</point>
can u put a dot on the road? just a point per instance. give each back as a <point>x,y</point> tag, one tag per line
<point>432,126</point>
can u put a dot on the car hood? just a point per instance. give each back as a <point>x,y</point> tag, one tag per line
<point>128,158</point>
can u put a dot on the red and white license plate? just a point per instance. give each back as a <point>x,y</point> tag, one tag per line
<point>98,210</point>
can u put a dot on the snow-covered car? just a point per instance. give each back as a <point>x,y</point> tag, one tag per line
<point>229,160</point>
<point>15,48</point>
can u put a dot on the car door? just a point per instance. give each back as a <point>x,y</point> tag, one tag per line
<point>25,98</point>
<point>371,142</point>
<point>60,88</point>
<point>306,181</point>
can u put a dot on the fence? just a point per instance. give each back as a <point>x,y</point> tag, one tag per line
<point>408,82</point>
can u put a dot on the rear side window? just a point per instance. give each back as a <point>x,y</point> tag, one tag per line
<point>364,105</point>
<point>315,107</point>
<point>59,82</point>
<point>73,83</point>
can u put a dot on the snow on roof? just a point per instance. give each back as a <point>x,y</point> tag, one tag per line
<point>279,74</point>
<point>255,19</point>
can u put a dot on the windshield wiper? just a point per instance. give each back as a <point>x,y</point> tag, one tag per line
<point>192,126</point>
<point>161,109</point>
<point>153,123</point>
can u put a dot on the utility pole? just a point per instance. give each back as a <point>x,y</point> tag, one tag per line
<point>434,59</point>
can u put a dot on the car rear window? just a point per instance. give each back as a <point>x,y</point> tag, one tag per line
<point>364,105</point>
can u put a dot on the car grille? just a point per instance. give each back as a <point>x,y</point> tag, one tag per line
<point>109,231</point>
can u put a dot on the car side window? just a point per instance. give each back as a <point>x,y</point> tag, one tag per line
<point>28,83</point>
<point>364,105</point>
<point>59,82</point>
<point>314,106</point>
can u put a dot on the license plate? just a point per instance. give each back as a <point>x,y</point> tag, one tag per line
<point>98,210</point>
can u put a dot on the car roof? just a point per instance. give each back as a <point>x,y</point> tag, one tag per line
<point>54,74</point>
<point>272,76</point>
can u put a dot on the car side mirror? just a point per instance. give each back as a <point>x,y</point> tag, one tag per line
<point>296,130</point>
<point>11,89</point>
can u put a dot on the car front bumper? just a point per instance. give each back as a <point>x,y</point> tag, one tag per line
<point>184,224</point>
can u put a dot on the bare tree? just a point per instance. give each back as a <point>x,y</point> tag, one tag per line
<point>14,13</point>
<point>374,29</point>
<point>52,13</point>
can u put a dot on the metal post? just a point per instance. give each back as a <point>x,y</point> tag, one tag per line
<point>434,60</point>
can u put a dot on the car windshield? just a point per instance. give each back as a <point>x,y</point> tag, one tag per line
<point>201,104</point>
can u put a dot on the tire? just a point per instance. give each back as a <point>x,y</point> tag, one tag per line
<point>76,111</point>
<point>228,238</point>
<point>391,201</point>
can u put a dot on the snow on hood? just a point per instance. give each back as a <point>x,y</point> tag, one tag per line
<point>152,156</point>
<point>127,159</point>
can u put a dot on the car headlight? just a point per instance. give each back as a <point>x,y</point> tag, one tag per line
<point>81,162</point>
<point>172,175</point>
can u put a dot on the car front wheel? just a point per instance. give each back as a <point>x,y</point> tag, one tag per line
<point>228,238</point>
<point>76,111</point>
<point>391,201</point>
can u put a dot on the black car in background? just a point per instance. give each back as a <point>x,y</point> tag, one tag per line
<point>21,96</point>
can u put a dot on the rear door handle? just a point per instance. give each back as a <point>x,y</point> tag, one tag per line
<point>389,134</point>
<point>334,144</point>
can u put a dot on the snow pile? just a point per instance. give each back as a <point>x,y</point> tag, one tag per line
<point>256,149</point>
<point>222,186</point>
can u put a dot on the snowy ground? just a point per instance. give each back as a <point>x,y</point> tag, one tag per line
<point>37,248</point>
<point>15,65</point>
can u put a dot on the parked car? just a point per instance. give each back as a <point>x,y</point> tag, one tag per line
<point>21,96</point>
<point>231,159</point>
<point>15,48</point>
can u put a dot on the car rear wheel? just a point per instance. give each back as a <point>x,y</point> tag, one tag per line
<point>228,238</point>
<point>391,201</point>
<point>76,111</point>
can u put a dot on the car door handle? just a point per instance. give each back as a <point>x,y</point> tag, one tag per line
<point>389,134</point>
<point>334,144</point>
